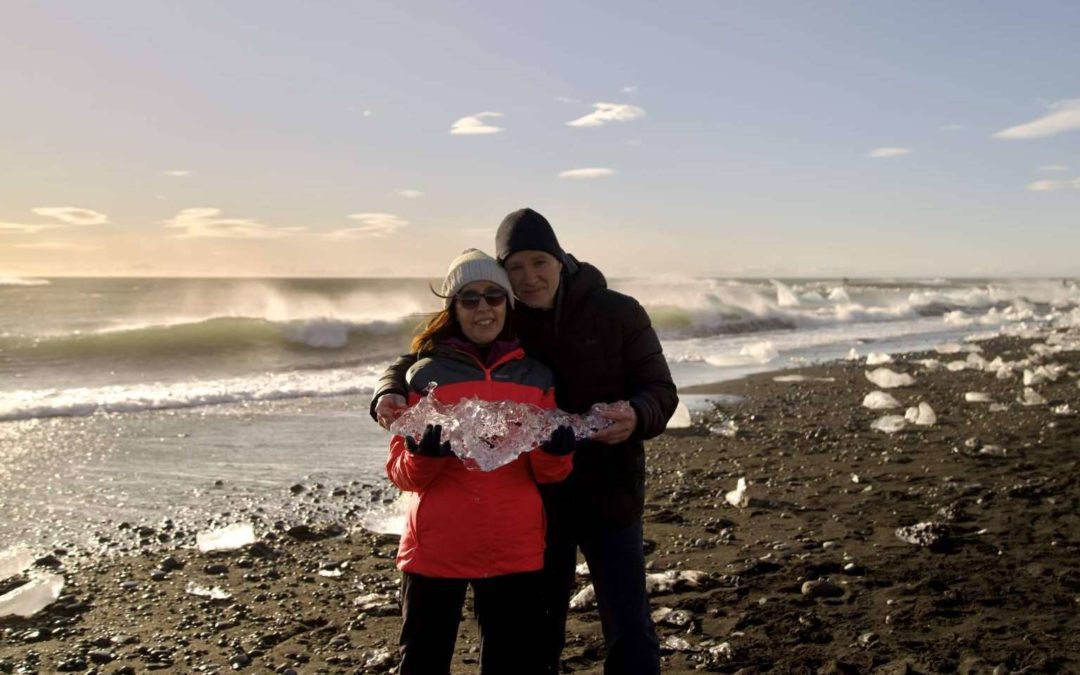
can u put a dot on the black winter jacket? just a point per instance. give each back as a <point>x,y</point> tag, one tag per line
<point>602,348</point>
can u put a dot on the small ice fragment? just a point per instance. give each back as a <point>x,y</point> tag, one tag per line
<point>15,560</point>
<point>1031,397</point>
<point>582,570</point>
<point>993,451</point>
<point>213,593</point>
<point>978,397</point>
<point>1062,409</point>
<point>997,407</point>
<point>921,415</point>
<point>231,537</point>
<point>890,424</point>
<point>956,366</point>
<point>726,429</point>
<point>1033,377</point>
<point>949,348</point>
<point>879,400</point>
<point>887,379</point>
<point>855,478</point>
<point>853,355</point>
<point>923,534</point>
<point>32,597</point>
<point>681,418</point>
<point>738,497</point>
<point>330,574</point>
<point>790,378</point>
<point>583,599</point>
<point>930,365</point>
<point>877,358</point>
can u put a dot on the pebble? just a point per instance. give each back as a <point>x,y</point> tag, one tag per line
<point>170,563</point>
<point>821,588</point>
<point>217,569</point>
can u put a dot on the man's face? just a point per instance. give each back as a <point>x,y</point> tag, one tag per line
<point>535,277</point>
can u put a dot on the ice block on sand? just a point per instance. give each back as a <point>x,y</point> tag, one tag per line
<point>32,597</point>
<point>887,379</point>
<point>226,538</point>
<point>879,400</point>
<point>681,418</point>
<point>890,424</point>
<point>15,560</point>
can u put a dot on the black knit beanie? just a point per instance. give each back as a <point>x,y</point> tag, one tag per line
<point>526,230</point>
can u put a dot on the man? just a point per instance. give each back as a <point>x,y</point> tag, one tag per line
<point>603,350</point>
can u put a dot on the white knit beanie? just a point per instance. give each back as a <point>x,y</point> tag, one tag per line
<point>474,265</point>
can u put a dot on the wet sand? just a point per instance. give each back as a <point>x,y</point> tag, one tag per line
<point>808,577</point>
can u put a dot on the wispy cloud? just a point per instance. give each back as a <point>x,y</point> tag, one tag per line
<point>367,113</point>
<point>177,173</point>
<point>608,112</point>
<point>1054,168</point>
<point>72,215</point>
<point>371,225</point>
<point>563,99</point>
<point>590,172</point>
<point>629,89</point>
<point>474,125</point>
<point>57,246</point>
<point>1065,117</point>
<point>887,153</point>
<point>410,193</point>
<point>1054,185</point>
<point>67,215</point>
<point>206,223</point>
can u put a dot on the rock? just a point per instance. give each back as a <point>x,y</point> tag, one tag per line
<point>217,569</point>
<point>869,639</point>
<point>170,563</point>
<point>297,489</point>
<point>101,656</point>
<point>239,660</point>
<point>820,588</point>
<point>927,534</point>
<point>71,665</point>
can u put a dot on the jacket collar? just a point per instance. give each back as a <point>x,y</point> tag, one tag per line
<point>500,351</point>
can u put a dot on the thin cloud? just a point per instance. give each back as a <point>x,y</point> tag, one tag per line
<point>372,225</point>
<point>368,113</point>
<point>1065,117</point>
<point>1054,185</point>
<point>206,223</point>
<point>24,228</point>
<point>887,153</point>
<point>563,99</point>
<point>608,112</point>
<point>474,125</point>
<point>177,173</point>
<point>590,172</point>
<point>71,215</point>
<point>1054,168</point>
<point>410,193</point>
<point>629,89</point>
<point>57,246</point>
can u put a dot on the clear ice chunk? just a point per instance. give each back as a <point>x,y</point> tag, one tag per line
<point>738,497</point>
<point>887,379</point>
<point>878,358</point>
<point>490,434</point>
<point>226,538</point>
<point>879,400</point>
<point>15,560</point>
<point>1031,397</point>
<point>978,397</point>
<point>32,597</point>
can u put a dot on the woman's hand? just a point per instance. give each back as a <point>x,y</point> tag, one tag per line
<point>388,408</point>
<point>429,445</point>
<point>561,443</point>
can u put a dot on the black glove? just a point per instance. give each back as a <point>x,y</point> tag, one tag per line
<point>561,443</point>
<point>429,445</point>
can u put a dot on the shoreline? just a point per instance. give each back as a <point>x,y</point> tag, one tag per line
<point>810,576</point>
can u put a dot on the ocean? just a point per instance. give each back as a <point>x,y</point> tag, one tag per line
<point>138,400</point>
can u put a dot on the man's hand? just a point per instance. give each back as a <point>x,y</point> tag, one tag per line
<point>388,408</point>
<point>623,420</point>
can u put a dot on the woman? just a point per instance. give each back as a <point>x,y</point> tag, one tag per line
<point>484,529</point>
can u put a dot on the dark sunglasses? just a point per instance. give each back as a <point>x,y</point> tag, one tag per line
<point>471,299</point>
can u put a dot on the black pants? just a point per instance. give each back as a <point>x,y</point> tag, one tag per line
<point>616,560</point>
<point>509,609</point>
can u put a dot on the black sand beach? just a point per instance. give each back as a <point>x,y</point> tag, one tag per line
<point>809,577</point>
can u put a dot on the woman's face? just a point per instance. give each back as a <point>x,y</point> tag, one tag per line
<point>481,311</point>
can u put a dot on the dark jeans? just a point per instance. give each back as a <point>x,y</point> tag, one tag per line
<point>508,608</point>
<point>616,562</point>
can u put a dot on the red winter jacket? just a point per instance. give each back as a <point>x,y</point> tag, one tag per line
<point>471,524</point>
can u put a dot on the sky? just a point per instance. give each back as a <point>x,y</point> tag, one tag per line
<point>356,139</point>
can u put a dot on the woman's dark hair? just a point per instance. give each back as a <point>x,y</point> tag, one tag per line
<point>443,325</point>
